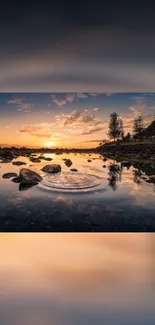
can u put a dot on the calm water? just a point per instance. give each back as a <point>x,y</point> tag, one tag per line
<point>113,198</point>
<point>77,279</point>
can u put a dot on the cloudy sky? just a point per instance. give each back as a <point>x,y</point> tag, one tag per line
<point>68,119</point>
<point>66,46</point>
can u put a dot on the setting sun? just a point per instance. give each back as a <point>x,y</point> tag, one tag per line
<point>49,144</point>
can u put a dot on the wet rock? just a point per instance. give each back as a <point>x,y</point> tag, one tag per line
<point>73,170</point>
<point>26,186</point>
<point>149,181</point>
<point>89,160</point>
<point>36,160</point>
<point>9,175</point>
<point>68,162</point>
<point>18,163</point>
<point>16,179</point>
<point>28,176</point>
<point>152,177</point>
<point>48,159</point>
<point>41,157</point>
<point>52,169</point>
<point>6,160</point>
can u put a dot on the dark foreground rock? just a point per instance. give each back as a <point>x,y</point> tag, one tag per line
<point>68,162</point>
<point>9,175</point>
<point>51,169</point>
<point>27,178</point>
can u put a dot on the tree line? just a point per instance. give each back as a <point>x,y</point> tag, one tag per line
<point>116,128</point>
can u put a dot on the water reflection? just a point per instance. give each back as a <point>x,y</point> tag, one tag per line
<point>77,278</point>
<point>115,175</point>
<point>94,198</point>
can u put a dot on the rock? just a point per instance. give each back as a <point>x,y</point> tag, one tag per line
<point>105,159</point>
<point>9,175</point>
<point>149,181</point>
<point>126,164</point>
<point>16,179</point>
<point>41,157</point>
<point>27,176</point>
<point>73,170</point>
<point>68,162</point>
<point>89,160</point>
<point>36,160</point>
<point>54,168</point>
<point>18,163</point>
<point>104,166</point>
<point>64,159</point>
<point>48,159</point>
<point>152,177</point>
<point>6,160</point>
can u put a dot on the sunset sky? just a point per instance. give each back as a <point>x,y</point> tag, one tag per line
<point>67,119</point>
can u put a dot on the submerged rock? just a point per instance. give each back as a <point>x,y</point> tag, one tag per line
<point>18,163</point>
<point>68,162</point>
<point>73,170</point>
<point>54,168</point>
<point>9,175</point>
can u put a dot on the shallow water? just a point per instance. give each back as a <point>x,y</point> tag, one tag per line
<point>94,198</point>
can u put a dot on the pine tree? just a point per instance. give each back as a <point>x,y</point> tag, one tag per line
<point>115,126</point>
<point>138,125</point>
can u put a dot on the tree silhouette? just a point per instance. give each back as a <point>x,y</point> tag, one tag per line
<point>115,127</point>
<point>138,125</point>
<point>115,175</point>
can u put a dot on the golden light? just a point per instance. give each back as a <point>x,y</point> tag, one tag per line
<point>49,144</point>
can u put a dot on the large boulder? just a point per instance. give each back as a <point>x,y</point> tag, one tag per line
<point>27,176</point>
<point>51,169</point>
<point>68,162</point>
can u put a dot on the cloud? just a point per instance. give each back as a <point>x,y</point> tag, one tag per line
<point>43,130</point>
<point>21,105</point>
<point>91,131</point>
<point>78,118</point>
<point>69,98</point>
<point>110,94</point>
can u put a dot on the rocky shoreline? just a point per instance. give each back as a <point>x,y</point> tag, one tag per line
<point>136,152</point>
